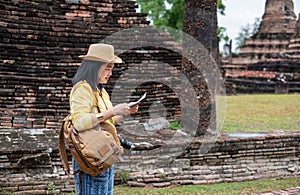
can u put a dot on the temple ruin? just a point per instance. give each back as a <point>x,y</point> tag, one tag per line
<point>268,62</point>
<point>40,44</point>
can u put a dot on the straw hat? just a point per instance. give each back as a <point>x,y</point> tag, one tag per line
<point>101,52</point>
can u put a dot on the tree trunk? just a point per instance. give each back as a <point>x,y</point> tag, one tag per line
<point>200,22</point>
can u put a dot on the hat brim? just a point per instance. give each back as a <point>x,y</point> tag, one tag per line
<point>93,58</point>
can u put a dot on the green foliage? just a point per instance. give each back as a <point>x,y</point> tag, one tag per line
<point>221,7</point>
<point>169,13</point>
<point>246,32</point>
<point>163,12</point>
<point>222,34</point>
<point>124,176</point>
<point>51,187</point>
<point>174,125</point>
<point>262,113</point>
<point>163,176</point>
<point>5,192</point>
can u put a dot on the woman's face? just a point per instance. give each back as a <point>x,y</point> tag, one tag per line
<point>105,72</point>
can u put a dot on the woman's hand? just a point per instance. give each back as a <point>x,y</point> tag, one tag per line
<point>121,109</point>
<point>134,109</point>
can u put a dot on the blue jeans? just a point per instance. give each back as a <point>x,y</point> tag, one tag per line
<point>101,184</point>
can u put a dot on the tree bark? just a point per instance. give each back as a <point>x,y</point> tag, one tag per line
<point>200,22</point>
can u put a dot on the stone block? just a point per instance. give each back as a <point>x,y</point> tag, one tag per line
<point>136,184</point>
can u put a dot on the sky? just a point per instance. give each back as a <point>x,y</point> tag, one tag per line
<point>239,13</point>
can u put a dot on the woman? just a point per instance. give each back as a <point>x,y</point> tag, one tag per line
<point>87,95</point>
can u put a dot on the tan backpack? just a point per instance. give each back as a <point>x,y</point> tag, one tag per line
<point>94,150</point>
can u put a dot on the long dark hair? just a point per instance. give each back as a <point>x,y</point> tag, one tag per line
<point>88,71</point>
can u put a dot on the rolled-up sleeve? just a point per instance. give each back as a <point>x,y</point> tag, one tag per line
<point>81,103</point>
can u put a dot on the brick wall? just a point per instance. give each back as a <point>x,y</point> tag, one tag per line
<point>30,164</point>
<point>278,76</point>
<point>40,44</point>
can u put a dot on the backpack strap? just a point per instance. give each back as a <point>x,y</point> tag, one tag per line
<point>62,147</point>
<point>108,128</point>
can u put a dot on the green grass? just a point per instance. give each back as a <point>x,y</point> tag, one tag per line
<point>262,113</point>
<point>215,189</point>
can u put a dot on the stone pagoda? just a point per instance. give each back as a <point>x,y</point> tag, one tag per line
<point>275,30</point>
<point>293,50</point>
<point>270,58</point>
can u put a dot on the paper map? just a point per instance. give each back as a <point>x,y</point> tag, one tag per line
<point>131,104</point>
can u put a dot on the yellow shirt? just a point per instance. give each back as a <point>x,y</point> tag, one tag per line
<point>83,102</point>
